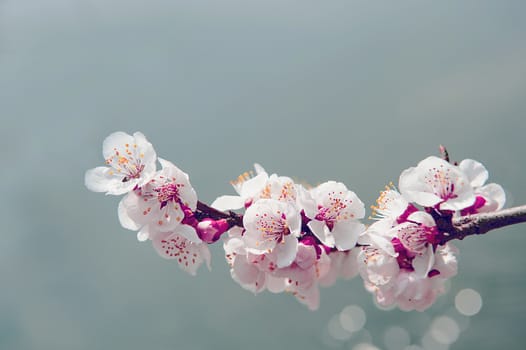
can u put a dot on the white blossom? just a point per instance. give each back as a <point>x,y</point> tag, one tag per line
<point>131,164</point>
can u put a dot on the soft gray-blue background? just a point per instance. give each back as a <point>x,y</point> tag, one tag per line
<point>353,91</point>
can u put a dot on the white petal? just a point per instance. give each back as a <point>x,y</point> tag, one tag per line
<point>378,240</point>
<point>228,203</point>
<point>305,202</point>
<point>475,172</point>
<point>322,232</point>
<point>252,187</point>
<point>415,189</point>
<point>115,140</point>
<point>100,179</point>
<point>130,214</point>
<point>465,199</point>
<point>424,263</point>
<point>494,195</point>
<point>259,169</point>
<point>346,234</point>
<point>143,235</point>
<point>188,232</point>
<point>286,251</point>
<point>422,218</point>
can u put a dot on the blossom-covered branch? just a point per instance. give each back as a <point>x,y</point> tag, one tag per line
<point>295,238</point>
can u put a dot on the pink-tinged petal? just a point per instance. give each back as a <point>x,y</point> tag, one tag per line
<point>205,255</point>
<point>338,265</point>
<point>494,195</point>
<point>475,172</point>
<point>306,256</point>
<point>446,261</point>
<point>275,284</point>
<point>322,232</point>
<point>173,246</point>
<point>310,297</point>
<point>349,265</point>
<point>228,203</point>
<point>130,214</point>
<point>376,266</point>
<point>187,194</point>
<point>413,292</point>
<point>247,275</point>
<point>462,201</point>
<point>424,263</point>
<point>286,251</point>
<point>346,234</point>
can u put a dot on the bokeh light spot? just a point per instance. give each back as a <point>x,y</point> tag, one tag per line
<point>468,302</point>
<point>352,318</point>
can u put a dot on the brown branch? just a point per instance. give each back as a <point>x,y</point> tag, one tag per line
<point>206,211</point>
<point>478,224</point>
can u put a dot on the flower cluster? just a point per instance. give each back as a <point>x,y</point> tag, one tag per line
<point>293,239</point>
<point>159,204</point>
<point>403,260</point>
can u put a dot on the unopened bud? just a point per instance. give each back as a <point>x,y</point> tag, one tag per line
<point>210,230</point>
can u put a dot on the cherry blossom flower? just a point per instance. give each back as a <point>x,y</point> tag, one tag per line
<point>392,206</point>
<point>411,291</point>
<point>435,182</point>
<point>251,271</point>
<point>247,186</point>
<point>160,203</point>
<point>183,245</point>
<point>259,272</point>
<point>131,164</point>
<point>403,265</point>
<point>272,225</point>
<point>302,276</point>
<point>261,186</point>
<point>333,211</point>
<point>490,197</point>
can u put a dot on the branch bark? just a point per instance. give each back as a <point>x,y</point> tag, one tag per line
<point>478,224</point>
<point>206,211</point>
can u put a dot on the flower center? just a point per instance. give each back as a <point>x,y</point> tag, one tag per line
<point>331,213</point>
<point>442,183</point>
<point>274,229</point>
<point>167,193</point>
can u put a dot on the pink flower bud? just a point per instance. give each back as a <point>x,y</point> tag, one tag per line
<point>210,230</point>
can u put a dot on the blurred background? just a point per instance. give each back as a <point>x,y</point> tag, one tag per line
<point>354,91</point>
